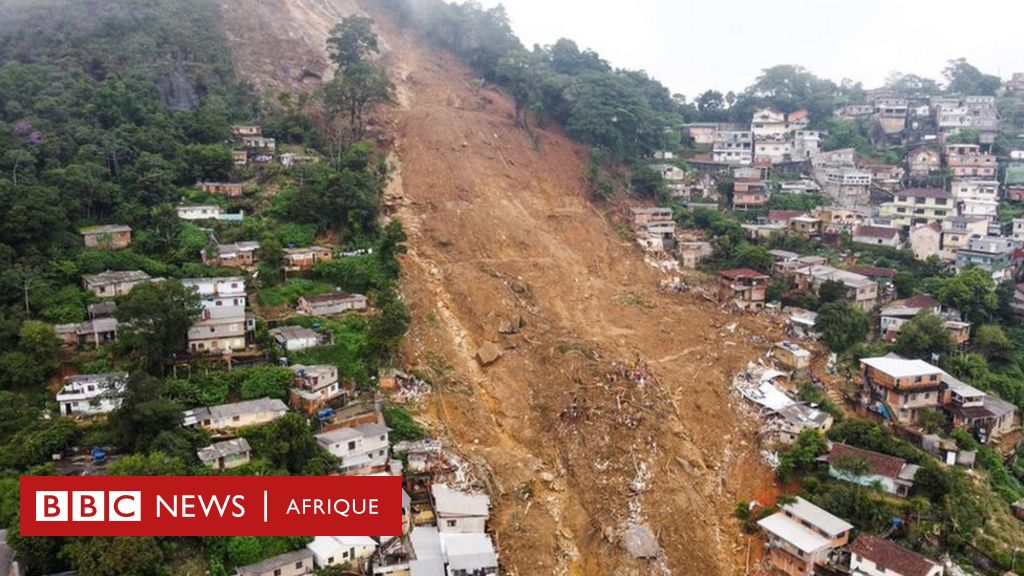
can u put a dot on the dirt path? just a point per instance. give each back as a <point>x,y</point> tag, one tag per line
<point>611,404</point>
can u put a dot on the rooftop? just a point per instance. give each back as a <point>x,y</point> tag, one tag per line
<point>331,297</point>
<point>274,562</point>
<point>223,449</point>
<point>738,273</point>
<point>901,367</point>
<point>924,193</point>
<point>286,333</point>
<point>881,464</point>
<point>823,519</point>
<point>256,406</point>
<point>448,502</point>
<point>116,276</point>
<point>891,557</point>
<point>106,229</point>
<point>791,531</point>
<point>875,232</point>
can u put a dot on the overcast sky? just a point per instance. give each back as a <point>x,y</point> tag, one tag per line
<point>694,45</point>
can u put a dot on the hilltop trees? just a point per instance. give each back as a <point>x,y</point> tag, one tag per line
<point>359,84</point>
<point>156,317</point>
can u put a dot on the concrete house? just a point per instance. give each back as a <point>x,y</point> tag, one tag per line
<point>92,394</point>
<point>925,240</point>
<point>743,288</point>
<point>242,130</point>
<point>905,387</point>
<point>224,325</point>
<point>848,186</point>
<point>110,236</point>
<point>801,536</point>
<point>363,449</point>
<point>791,356</point>
<point>976,197</point>
<point>993,254</point>
<point>918,206</point>
<point>199,212</point>
<point>314,386</point>
<point>861,291</point>
<point>877,236</point>
<point>336,550</point>
<point>226,455</point>
<point>733,147</point>
<point>295,337</point>
<point>112,284</point>
<point>957,232</point>
<point>330,303</point>
<point>297,563</point>
<point>641,217</point>
<point>794,419</point>
<point>296,259</point>
<point>984,416</point>
<point>872,556</point>
<point>895,314</point>
<point>226,189</point>
<point>1013,181</point>
<point>236,255</point>
<point>868,468</point>
<point>923,161</point>
<point>459,512</point>
<point>236,414</point>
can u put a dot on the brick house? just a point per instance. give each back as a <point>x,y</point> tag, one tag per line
<point>110,236</point>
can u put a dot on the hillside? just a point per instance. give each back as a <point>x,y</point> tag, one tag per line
<point>574,444</point>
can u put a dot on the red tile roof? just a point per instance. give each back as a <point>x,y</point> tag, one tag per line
<point>784,214</point>
<point>919,301</point>
<point>891,557</point>
<point>881,464</point>
<point>875,232</point>
<point>738,273</point>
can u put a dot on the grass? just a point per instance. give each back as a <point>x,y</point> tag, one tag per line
<point>289,292</point>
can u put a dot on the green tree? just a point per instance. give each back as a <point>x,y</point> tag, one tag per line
<point>244,550</point>
<point>352,41</point>
<point>267,381</point>
<point>972,292</point>
<point>156,317</point>
<point>801,456</point>
<point>903,282</point>
<point>923,336</point>
<point>841,326</point>
<point>144,413</point>
<point>746,255</point>
<point>990,341</point>
<point>287,442</point>
<point>118,556</point>
<point>359,84</point>
<point>402,425</point>
<point>152,464</point>
<point>832,291</point>
<point>962,78</point>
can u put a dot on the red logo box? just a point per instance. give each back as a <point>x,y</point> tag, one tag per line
<point>211,505</point>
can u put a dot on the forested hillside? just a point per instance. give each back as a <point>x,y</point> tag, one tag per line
<point>110,112</point>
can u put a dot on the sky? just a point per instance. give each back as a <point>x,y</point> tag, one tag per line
<point>695,45</point>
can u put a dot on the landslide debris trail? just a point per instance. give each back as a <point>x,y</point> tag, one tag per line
<point>609,404</point>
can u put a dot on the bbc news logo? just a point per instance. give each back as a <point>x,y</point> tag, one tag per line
<point>210,505</point>
<point>89,506</point>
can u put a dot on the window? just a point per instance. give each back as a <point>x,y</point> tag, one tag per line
<point>451,523</point>
<point>236,418</point>
<point>352,445</point>
<point>277,572</point>
<point>298,564</point>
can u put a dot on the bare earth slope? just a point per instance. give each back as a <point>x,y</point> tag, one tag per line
<point>610,407</point>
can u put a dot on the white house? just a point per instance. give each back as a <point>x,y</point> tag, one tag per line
<point>459,512</point>
<point>361,449</point>
<point>198,212</point>
<point>224,324</point>
<point>236,414</point>
<point>872,556</point>
<point>319,381</point>
<point>336,550</point>
<point>295,337</point>
<point>226,455</point>
<point>91,394</point>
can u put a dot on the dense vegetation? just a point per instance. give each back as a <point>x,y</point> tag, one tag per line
<point>110,111</point>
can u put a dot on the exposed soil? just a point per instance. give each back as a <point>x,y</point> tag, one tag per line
<point>611,403</point>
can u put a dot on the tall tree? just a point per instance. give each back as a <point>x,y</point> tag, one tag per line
<point>156,317</point>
